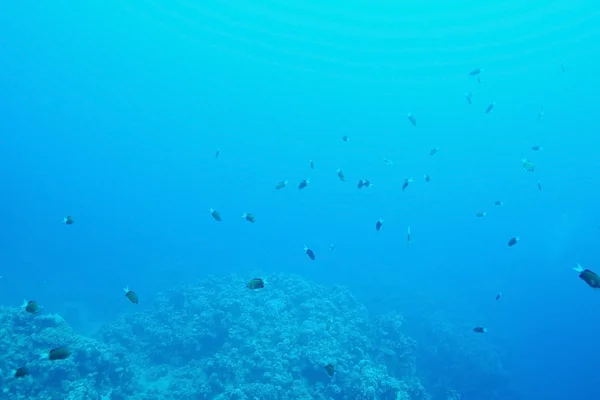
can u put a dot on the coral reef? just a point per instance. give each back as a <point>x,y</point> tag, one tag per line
<point>220,340</point>
<point>271,343</point>
<point>92,368</point>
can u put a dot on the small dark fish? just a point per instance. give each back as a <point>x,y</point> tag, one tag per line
<point>527,165</point>
<point>215,214</point>
<point>433,151</point>
<point>513,241</point>
<point>498,296</point>
<point>331,247</point>
<point>360,184</point>
<point>309,253</point>
<point>68,220</point>
<point>31,307</point>
<point>345,138</point>
<point>217,153</point>
<point>21,372</point>
<point>541,113</point>
<point>255,283</point>
<point>427,178</point>
<point>588,276</point>
<point>378,224</point>
<point>59,353</point>
<point>475,72</point>
<point>408,237</point>
<point>498,203</point>
<point>481,214</point>
<point>536,148</point>
<point>330,369</point>
<point>479,329</point>
<point>367,183</point>
<point>479,80</point>
<point>281,185</point>
<point>328,324</point>
<point>407,181</point>
<point>249,217</point>
<point>469,97</point>
<point>490,107</point>
<point>412,119</point>
<point>311,163</point>
<point>131,295</point>
<point>539,185</point>
<point>303,183</point>
<point>340,174</point>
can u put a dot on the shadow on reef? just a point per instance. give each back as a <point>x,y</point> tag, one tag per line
<point>219,340</point>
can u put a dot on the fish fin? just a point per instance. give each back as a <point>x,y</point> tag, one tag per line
<point>211,210</point>
<point>44,355</point>
<point>578,268</point>
<point>307,181</point>
<point>244,215</point>
<point>126,289</point>
<point>25,302</point>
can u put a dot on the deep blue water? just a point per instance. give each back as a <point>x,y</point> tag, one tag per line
<point>112,112</point>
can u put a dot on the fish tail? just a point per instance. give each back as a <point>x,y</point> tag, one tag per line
<point>578,268</point>
<point>244,215</point>
<point>126,289</point>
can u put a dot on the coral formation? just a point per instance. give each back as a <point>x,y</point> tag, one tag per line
<point>24,339</point>
<point>220,340</point>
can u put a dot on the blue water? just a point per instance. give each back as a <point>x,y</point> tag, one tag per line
<point>112,112</point>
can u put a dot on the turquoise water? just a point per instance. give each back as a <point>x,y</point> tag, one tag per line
<point>113,111</point>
